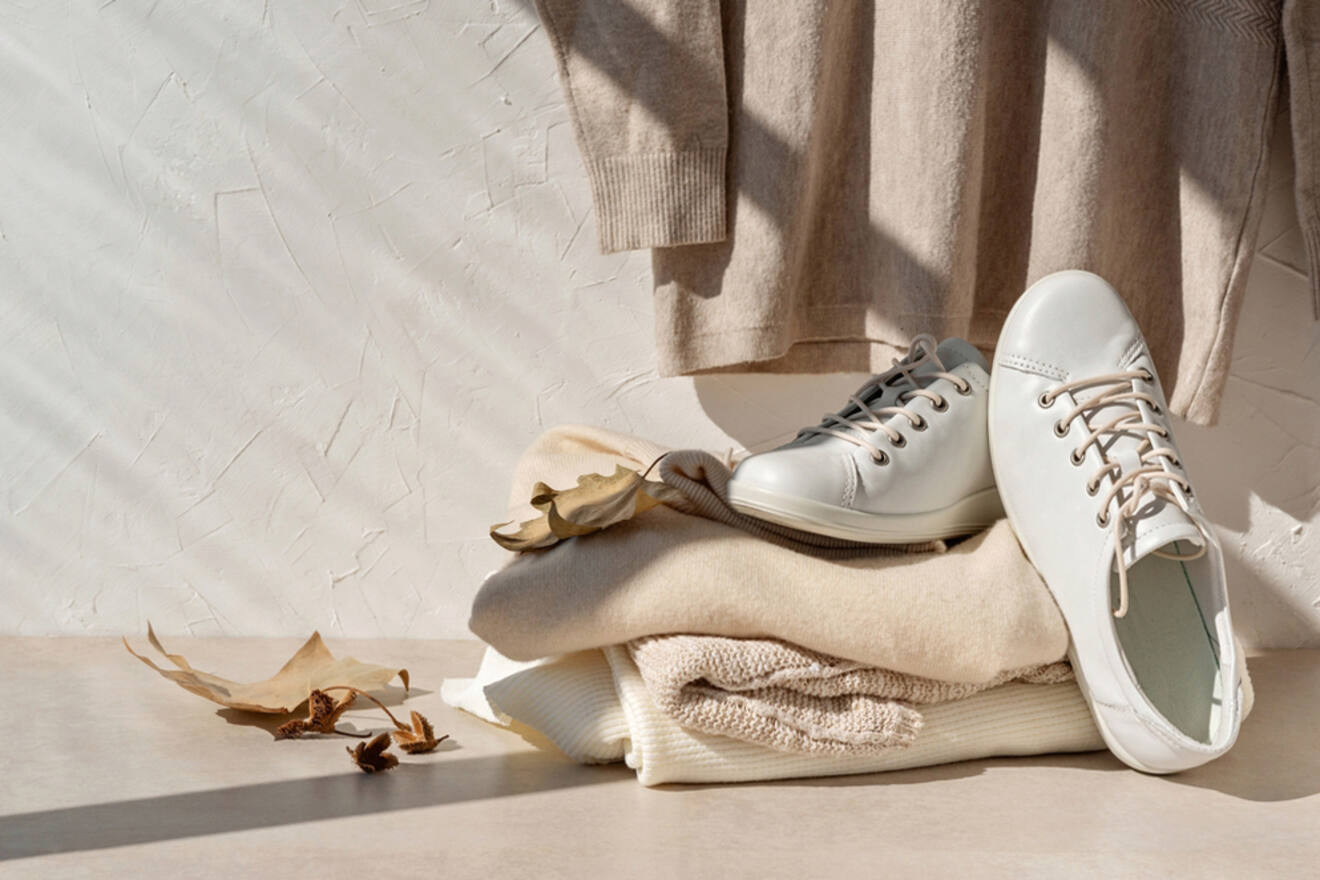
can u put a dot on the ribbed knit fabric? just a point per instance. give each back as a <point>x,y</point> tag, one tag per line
<point>791,699</point>
<point>677,197</point>
<point>593,720</point>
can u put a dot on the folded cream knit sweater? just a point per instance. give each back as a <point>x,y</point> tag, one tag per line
<point>794,700</point>
<point>965,615</point>
<point>594,706</point>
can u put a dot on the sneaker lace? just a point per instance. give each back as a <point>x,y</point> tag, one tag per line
<point>859,426</point>
<point>1149,480</point>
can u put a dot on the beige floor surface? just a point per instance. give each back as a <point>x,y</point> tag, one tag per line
<point>111,771</point>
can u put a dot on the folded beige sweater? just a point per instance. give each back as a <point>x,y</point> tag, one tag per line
<point>788,698</point>
<point>964,615</point>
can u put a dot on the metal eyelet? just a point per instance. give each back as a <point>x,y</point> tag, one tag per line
<point>940,405</point>
<point>1147,375</point>
<point>1102,519</point>
<point>880,459</point>
<point>1045,400</point>
<point>920,425</point>
<point>1092,488</point>
<point>900,442</point>
<point>1157,409</point>
<point>965,389</point>
<point>1076,459</point>
<point>1061,429</point>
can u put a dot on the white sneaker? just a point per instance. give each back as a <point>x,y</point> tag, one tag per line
<point>1085,463</point>
<point>906,461</point>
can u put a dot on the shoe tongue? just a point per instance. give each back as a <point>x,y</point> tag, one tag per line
<point>954,351</point>
<point>1157,524</point>
<point>950,353</point>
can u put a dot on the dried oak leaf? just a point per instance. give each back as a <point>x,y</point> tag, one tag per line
<point>420,739</point>
<point>323,713</point>
<point>595,503</point>
<point>312,667</point>
<point>372,757</point>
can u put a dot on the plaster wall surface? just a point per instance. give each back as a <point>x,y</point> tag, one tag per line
<point>289,286</point>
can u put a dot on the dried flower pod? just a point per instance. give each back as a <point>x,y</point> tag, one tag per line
<point>372,757</point>
<point>420,739</point>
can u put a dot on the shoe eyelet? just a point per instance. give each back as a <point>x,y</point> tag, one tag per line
<point>1102,519</point>
<point>880,459</point>
<point>1061,429</point>
<point>1157,409</point>
<point>965,389</point>
<point>900,442</point>
<point>920,425</point>
<point>1092,488</point>
<point>1147,375</point>
<point>1045,400</point>
<point>1076,459</point>
<point>940,405</point>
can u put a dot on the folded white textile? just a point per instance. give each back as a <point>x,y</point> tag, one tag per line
<point>594,706</point>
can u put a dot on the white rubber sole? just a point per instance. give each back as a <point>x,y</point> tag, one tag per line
<point>972,514</point>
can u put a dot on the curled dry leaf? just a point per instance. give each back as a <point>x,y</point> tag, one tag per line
<point>311,668</point>
<point>372,757</point>
<point>322,715</point>
<point>421,738</point>
<point>596,502</point>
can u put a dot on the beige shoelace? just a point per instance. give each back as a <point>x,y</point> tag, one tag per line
<point>1151,478</point>
<point>868,420</point>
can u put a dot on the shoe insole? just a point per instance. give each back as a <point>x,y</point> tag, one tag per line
<point>1166,639</point>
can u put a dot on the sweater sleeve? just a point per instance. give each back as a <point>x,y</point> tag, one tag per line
<point>645,87</point>
<point>1301,31</point>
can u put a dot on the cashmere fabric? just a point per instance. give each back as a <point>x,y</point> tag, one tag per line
<point>820,181</point>
<point>794,700</point>
<point>964,615</point>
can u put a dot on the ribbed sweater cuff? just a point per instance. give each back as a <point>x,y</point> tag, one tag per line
<point>658,199</point>
<point>1311,235</point>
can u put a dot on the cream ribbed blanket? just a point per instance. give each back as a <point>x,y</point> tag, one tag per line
<point>788,698</point>
<point>964,615</point>
<point>594,706</point>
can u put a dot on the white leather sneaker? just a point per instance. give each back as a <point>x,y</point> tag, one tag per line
<point>906,461</point>
<point>1096,491</point>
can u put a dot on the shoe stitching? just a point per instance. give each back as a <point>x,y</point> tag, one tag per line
<point>1131,354</point>
<point>850,481</point>
<point>1029,365</point>
<point>973,376</point>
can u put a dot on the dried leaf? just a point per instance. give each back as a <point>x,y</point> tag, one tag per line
<point>420,739</point>
<point>596,502</point>
<point>322,715</point>
<point>312,667</point>
<point>372,757</point>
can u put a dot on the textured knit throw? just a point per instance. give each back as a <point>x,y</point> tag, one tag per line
<point>779,695</point>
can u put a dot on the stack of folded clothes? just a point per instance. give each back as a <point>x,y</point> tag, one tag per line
<point>698,644</point>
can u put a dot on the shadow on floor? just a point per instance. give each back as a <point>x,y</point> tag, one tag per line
<point>269,804</point>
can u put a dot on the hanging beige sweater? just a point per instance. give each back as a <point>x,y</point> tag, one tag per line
<point>822,180</point>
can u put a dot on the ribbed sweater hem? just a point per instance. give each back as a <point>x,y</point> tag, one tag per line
<point>658,199</point>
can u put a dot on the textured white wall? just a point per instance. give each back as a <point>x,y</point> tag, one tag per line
<point>289,286</point>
